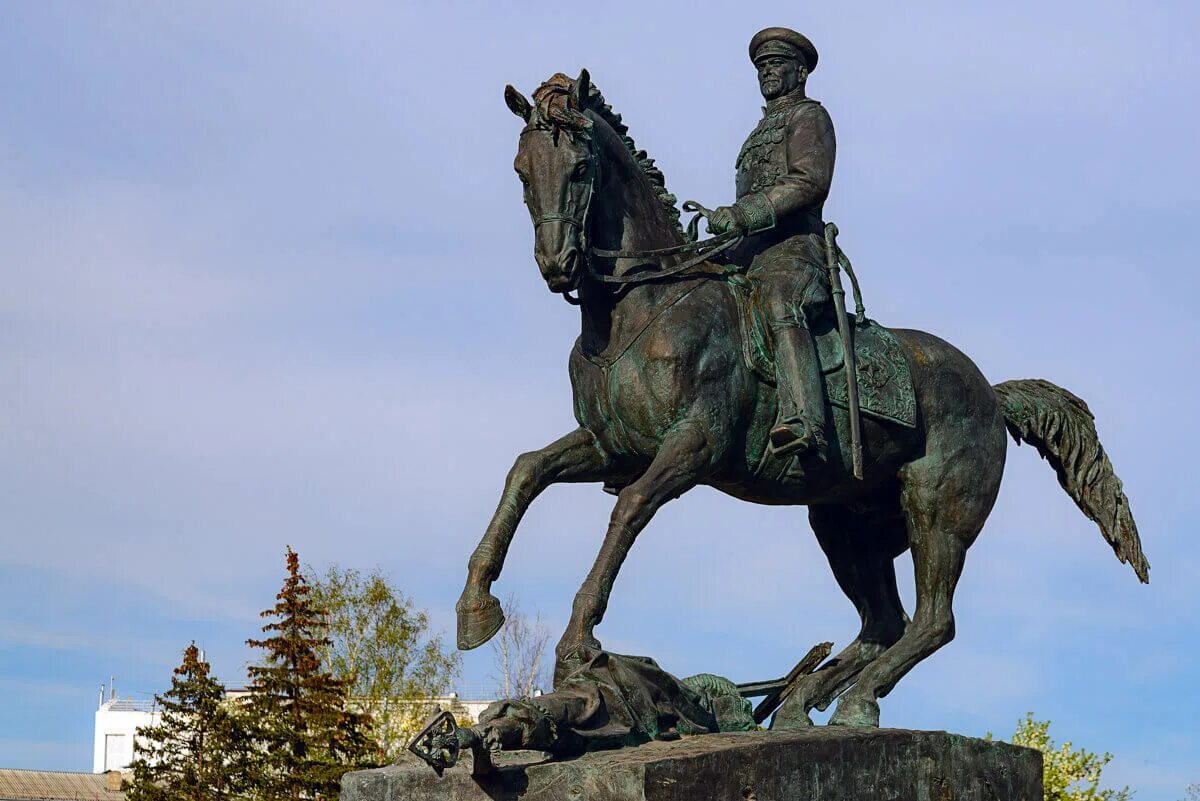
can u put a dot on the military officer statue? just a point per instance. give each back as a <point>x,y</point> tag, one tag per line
<point>783,175</point>
<point>668,398</point>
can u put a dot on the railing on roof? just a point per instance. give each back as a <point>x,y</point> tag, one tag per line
<point>130,705</point>
<point>482,690</point>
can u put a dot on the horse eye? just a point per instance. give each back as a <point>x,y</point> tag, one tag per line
<point>580,170</point>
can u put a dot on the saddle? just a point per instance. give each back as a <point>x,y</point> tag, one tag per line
<point>885,387</point>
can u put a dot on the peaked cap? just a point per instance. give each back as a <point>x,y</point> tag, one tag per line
<point>797,41</point>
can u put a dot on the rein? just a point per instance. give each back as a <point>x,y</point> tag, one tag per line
<point>704,251</point>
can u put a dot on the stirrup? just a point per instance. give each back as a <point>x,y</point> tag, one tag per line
<point>785,441</point>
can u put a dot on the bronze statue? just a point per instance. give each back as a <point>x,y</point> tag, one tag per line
<point>783,175</point>
<point>608,701</point>
<point>731,362</point>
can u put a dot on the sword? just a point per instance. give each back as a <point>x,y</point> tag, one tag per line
<point>839,304</point>
<point>777,690</point>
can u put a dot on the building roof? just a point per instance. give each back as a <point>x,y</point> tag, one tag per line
<point>52,785</point>
<point>130,705</point>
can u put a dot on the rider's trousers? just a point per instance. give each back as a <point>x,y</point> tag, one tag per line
<point>793,293</point>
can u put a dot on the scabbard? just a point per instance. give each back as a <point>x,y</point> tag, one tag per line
<point>843,321</point>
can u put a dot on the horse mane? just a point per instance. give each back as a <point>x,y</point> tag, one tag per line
<point>555,104</point>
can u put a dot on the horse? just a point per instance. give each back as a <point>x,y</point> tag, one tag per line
<point>666,401</point>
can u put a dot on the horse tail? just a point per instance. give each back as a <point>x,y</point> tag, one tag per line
<point>1063,430</point>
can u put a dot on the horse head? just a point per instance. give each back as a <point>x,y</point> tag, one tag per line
<point>558,165</point>
<point>589,189</point>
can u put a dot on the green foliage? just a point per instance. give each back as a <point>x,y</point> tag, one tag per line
<point>197,749</point>
<point>1068,775</point>
<point>306,731</point>
<point>379,644</point>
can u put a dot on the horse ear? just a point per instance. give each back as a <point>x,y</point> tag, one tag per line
<point>583,88</point>
<point>516,102</point>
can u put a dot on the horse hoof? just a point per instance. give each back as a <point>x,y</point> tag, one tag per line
<point>478,621</point>
<point>565,667</point>
<point>573,655</point>
<point>791,720</point>
<point>860,712</point>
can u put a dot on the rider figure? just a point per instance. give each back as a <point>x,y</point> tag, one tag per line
<point>783,175</point>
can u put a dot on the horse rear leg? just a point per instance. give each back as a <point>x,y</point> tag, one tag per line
<point>946,496</point>
<point>861,547</point>
<point>685,457</point>
<point>575,457</point>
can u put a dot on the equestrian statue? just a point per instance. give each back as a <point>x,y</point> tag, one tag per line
<point>732,362</point>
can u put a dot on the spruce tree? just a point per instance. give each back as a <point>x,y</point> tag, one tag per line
<point>190,754</point>
<point>306,731</point>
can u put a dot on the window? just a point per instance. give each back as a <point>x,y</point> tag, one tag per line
<point>117,752</point>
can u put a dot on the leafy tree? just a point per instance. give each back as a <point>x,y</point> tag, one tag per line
<point>379,643</point>
<point>1192,792</point>
<point>1068,775</point>
<point>307,733</point>
<point>193,752</point>
<point>518,653</point>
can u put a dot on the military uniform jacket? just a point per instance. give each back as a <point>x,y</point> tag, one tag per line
<point>784,171</point>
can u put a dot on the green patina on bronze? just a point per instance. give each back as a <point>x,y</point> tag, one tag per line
<point>884,378</point>
<point>729,372</point>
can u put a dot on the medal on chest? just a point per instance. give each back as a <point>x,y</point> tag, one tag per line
<point>760,158</point>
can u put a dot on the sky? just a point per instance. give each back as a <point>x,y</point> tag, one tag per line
<point>267,281</point>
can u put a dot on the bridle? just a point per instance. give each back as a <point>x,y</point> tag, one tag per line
<point>703,250</point>
<point>580,222</point>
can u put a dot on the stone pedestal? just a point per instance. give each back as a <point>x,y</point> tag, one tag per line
<point>819,764</point>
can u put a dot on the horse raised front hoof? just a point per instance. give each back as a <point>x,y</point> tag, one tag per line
<point>852,711</point>
<point>478,620</point>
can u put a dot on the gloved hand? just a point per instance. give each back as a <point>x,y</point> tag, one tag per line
<point>722,220</point>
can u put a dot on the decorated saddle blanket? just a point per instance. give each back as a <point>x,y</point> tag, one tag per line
<point>885,387</point>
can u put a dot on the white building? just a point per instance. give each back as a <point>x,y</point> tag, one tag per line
<point>117,722</point>
<point>118,719</point>
<point>466,710</point>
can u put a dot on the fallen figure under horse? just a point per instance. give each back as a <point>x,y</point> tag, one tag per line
<point>674,387</point>
<point>608,701</point>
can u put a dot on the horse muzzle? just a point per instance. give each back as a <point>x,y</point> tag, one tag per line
<point>561,273</point>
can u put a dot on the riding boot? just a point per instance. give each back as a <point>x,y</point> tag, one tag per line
<point>801,404</point>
